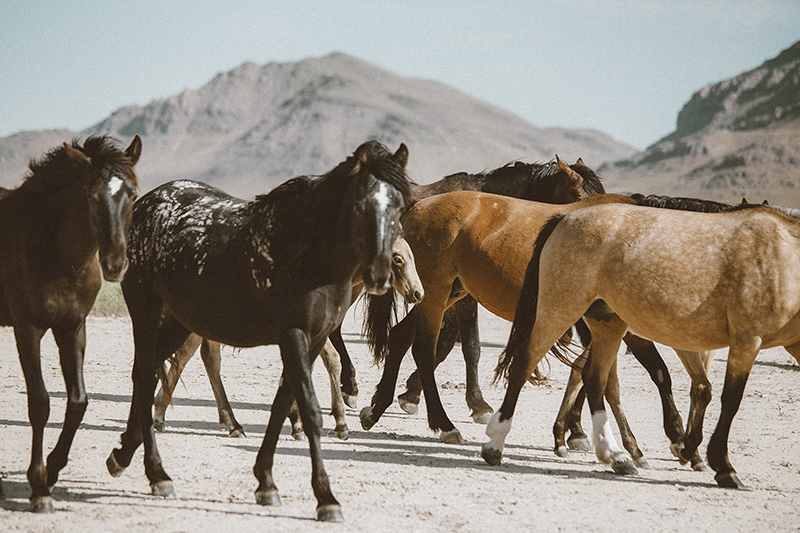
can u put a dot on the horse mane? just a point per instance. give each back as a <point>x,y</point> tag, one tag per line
<point>55,169</point>
<point>591,181</point>
<point>681,203</point>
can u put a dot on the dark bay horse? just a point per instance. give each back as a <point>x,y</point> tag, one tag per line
<point>75,202</point>
<point>693,281</point>
<point>405,281</point>
<point>276,270</point>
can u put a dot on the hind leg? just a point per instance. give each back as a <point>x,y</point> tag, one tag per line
<point>169,379</point>
<point>28,338</point>
<point>71,341</point>
<point>212,359</point>
<point>330,358</point>
<point>348,380</point>
<point>697,364</point>
<point>626,434</point>
<point>567,406</point>
<point>467,312</point>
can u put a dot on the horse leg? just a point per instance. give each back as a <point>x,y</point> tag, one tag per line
<point>646,353</point>
<point>28,338</point>
<point>71,341</point>
<point>448,335</point>
<point>267,492</point>
<point>740,362</point>
<point>330,358</point>
<point>578,439</point>
<point>212,359</point>
<point>607,334</point>
<point>628,439</point>
<point>467,313</point>
<point>170,378</point>
<point>400,339</point>
<point>295,354</point>
<point>567,405</point>
<point>697,364</point>
<point>349,384</point>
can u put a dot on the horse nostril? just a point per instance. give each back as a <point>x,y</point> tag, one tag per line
<point>417,296</point>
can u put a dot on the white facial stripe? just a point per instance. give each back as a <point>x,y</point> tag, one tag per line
<point>382,196</point>
<point>114,185</point>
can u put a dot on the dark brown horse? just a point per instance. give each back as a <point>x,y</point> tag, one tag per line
<point>276,270</point>
<point>693,281</point>
<point>76,201</point>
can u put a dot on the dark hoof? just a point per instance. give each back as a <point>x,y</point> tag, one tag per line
<point>269,498</point>
<point>158,425</point>
<point>641,462</point>
<point>342,434</point>
<point>408,407</point>
<point>367,421</point>
<point>113,466</point>
<point>299,437</point>
<point>624,468</point>
<point>451,437</point>
<point>729,480</point>
<point>42,505</point>
<point>237,433</point>
<point>562,452</point>
<point>329,513</point>
<point>165,489</point>
<point>482,418</point>
<point>350,401</point>
<point>580,444</point>
<point>492,456</point>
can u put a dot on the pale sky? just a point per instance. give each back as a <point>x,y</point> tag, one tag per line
<point>621,67</point>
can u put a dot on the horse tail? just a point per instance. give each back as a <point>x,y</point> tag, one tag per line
<point>380,315</point>
<point>163,377</point>
<point>525,315</point>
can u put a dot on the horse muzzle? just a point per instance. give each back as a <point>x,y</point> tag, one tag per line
<point>114,271</point>
<point>377,281</point>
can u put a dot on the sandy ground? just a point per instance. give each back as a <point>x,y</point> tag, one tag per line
<point>396,476</point>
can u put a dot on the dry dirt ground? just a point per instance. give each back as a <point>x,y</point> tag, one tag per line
<point>397,476</point>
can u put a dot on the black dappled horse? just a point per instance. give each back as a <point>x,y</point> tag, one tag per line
<point>276,270</point>
<point>75,201</point>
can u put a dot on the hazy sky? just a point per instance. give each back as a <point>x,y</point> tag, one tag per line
<point>621,67</point>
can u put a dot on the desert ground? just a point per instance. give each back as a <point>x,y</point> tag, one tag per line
<point>398,476</point>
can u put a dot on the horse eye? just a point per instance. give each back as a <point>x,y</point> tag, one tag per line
<point>397,260</point>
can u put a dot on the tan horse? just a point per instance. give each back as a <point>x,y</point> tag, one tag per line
<point>693,281</point>
<point>405,281</point>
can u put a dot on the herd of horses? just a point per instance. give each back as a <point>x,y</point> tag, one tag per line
<point>540,245</point>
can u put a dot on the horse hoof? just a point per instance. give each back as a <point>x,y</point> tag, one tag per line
<point>641,462</point>
<point>350,401</point>
<point>329,513</point>
<point>299,437</point>
<point>482,418</point>
<point>492,456</point>
<point>367,420</point>
<point>624,468</point>
<point>562,452</point>
<point>42,505</point>
<point>269,498</point>
<point>237,433</point>
<point>580,444</point>
<point>729,481</point>
<point>113,466</point>
<point>165,489</point>
<point>408,407</point>
<point>452,437</point>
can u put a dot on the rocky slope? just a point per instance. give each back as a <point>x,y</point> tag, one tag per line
<point>739,137</point>
<point>255,126</point>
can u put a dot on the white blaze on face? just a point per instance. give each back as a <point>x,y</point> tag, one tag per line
<point>382,199</point>
<point>114,185</point>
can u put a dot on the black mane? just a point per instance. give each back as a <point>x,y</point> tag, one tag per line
<point>591,181</point>
<point>681,203</point>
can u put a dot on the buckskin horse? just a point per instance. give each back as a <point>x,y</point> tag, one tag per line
<point>75,201</point>
<point>275,270</point>
<point>693,281</point>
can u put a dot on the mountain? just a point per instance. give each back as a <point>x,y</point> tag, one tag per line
<point>736,138</point>
<point>256,126</point>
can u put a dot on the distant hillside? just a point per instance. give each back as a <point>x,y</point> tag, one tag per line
<point>256,126</point>
<point>739,137</point>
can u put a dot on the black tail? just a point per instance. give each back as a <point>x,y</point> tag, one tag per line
<point>380,315</point>
<point>525,315</point>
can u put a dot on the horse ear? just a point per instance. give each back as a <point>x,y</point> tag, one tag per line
<point>563,166</point>
<point>76,156</point>
<point>580,162</point>
<point>361,156</point>
<point>765,202</point>
<point>744,200</point>
<point>134,151</point>
<point>401,155</point>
